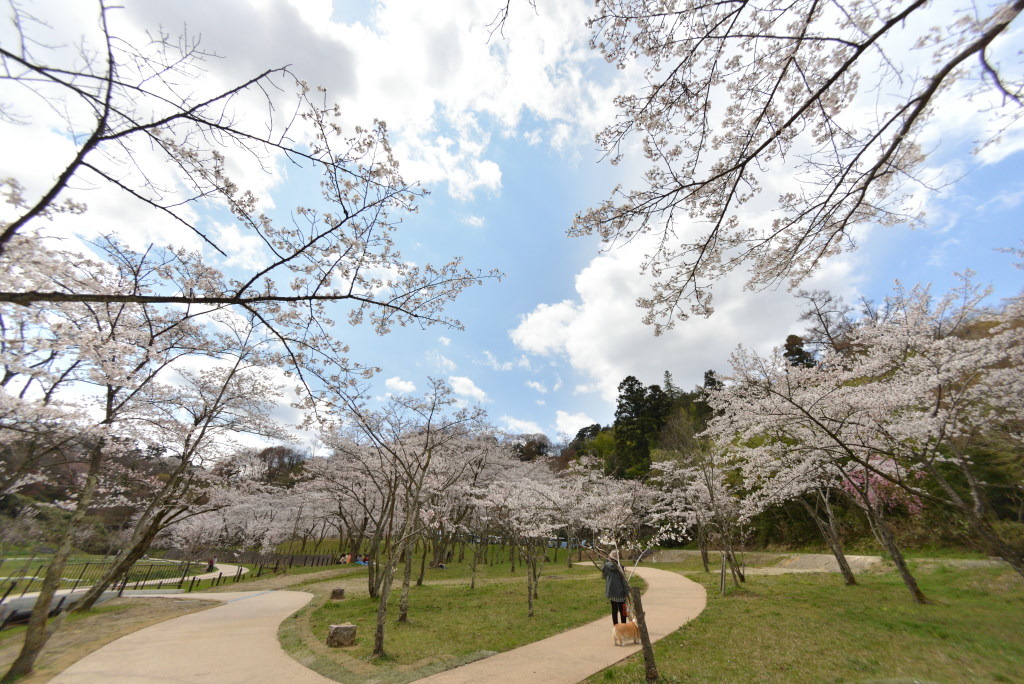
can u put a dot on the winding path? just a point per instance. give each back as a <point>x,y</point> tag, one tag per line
<point>670,601</point>
<point>237,642</point>
<point>234,643</point>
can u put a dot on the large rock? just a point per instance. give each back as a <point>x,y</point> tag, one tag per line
<point>341,635</point>
<point>337,594</point>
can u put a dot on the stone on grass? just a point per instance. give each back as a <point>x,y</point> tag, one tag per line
<point>337,594</point>
<point>341,635</point>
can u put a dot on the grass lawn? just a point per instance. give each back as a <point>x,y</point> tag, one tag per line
<point>811,628</point>
<point>775,628</point>
<point>449,623</point>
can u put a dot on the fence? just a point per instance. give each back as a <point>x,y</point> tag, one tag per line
<point>256,557</point>
<point>21,576</point>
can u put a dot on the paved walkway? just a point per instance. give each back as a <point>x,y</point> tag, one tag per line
<point>670,601</point>
<point>237,642</point>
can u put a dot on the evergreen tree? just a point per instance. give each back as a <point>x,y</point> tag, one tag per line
<point>640,414</point>
<point>796,354</point>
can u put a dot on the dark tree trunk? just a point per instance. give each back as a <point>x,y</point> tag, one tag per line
<point>650,666</point>
<point>423,566</point>
<point>37,634</point>
<point>702,543</point>
<point>888,540</point>
<point>120,568</point>
<point>827,527</point>
<point>403,602</point>
<point>382,609</point>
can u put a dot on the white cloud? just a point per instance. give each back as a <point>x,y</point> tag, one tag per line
<point>570,423</point>
<point>440,361</point>
<point>520,427</point>
<point>464,387</point>
<point>604,340</point>
<point>1006,200</point>
<point>537,386</point>
<point>444,341</point>
<point>246,250</point>
<point>545,330</point>
<point>491,361</point>
<point>396,384</point>
<point>475,221</point>
<point>430,74</point>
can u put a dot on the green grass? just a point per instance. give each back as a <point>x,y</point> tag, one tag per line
<point>449,623</point>
<point>811,628</point>
<point>449,617</point>
<point>18,631</point>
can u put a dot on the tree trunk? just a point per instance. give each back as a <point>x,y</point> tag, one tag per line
<point>650,667</point>
<point>734,567</point>
<point>702,543</point>
<point>403,603</point>
<point>375,574</point>
<point>1008,552</point>
<point>477,552</point>
<point>423,566</point>
<point>529,592</point>
<point>535,571</point>
<point>122,564</point>
<point>888,541</point>
<point>387,573</point>
<point>827,527</point>
<point>37,634</point>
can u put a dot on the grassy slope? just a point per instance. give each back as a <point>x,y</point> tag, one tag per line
<point>811,628</point>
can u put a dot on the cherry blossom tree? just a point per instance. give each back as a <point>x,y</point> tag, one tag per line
<point>135,111</point>
<point>198,422</point>
<point>622,513</point>
<point>520,500</point>
<point>698,493</point>
<point>112,354</point>
<point>419,448</point>
<point>142,122</point>
<point>364,484</point>
<point>734,92</point>
<point>912,388</point>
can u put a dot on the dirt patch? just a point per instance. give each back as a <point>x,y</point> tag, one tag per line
<point>282,581</point>
<point>80,636</point>
<point>760,563</point>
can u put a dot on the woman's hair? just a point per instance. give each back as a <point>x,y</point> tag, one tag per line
<point>614,555</point>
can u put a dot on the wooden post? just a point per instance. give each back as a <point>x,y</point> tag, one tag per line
<point>650,667</point>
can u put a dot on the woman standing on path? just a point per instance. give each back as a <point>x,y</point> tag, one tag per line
<point>615,586</point>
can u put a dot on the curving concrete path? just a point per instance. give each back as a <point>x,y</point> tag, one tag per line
<point>234,643</point>
<point>237,642</point>
<point>670,601</point>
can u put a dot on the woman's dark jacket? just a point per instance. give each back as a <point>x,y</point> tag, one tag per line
<point>614,582</point>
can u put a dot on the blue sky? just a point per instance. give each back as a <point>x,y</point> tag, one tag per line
<point>501,133</point>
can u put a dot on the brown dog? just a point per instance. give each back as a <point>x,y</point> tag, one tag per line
<point>626,631</point>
